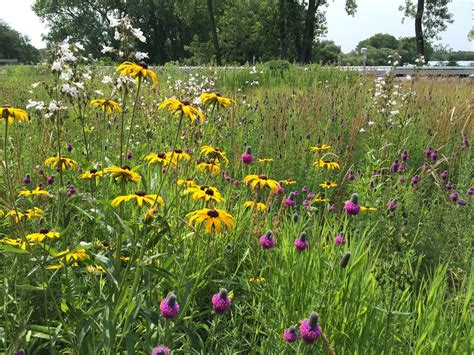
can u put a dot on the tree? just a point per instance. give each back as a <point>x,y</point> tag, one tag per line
<point>326,52</point>
<point>13,45</point>
<point>431,18</point>
<point>215,40</point>
<point>379,40</point>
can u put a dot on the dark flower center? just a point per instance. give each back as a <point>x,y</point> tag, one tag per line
<point>44,231</point>
<point>262,177</point>
<point>186,103</point>
<point>125,167</point>
<point>213,213</point>
<point>93,171</point>
<point>143,65</point>
<point>209,192</point>
<point>203,188</point>
<point>178,151</point>
<point>218,94</point>
<point>162,155</point>
<point>140,193</point>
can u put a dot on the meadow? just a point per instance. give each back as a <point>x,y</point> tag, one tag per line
<point>164,220</point>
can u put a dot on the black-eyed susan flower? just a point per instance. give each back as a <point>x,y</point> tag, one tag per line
<point>17,243</point>
<point>178,107</point>
<point>12,114</point>
<point>259,206</point>
<point>61,163</point>
<point>367,209</point>
<point>288,182</point>
<point>35,238</point>
<point>214,153</point>
<point>328,184</point>
<point>95,269</point>
<point>264,160</point>
<point>123,174</point>
<point>212,218</point>
<point>106,105</point>
<point>205,193</point>
<point>34,212</point>
<point>138,71</point>
<point>140,197</point>
<point>261,181</point>
<point>177,155</point>
<point>321,199</point>
<point>73,256</point>
<point>216,99</point>
<point>17,216</point>
<point>327,164</point>
<point>91,174</point>
<point>35,192</point>
<point>186,183</point>
<point>320,147</point>
<point>211,168</point>
<point>158,158</point>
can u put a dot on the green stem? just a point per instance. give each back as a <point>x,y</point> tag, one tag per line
<point>133,115</point>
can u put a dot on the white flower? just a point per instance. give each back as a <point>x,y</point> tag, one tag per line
<point>37,105</point>
<point>107,79</point>
<point>395,112</point>
<point>35,85</point>
<point>99,92</point>
<point>79,46</point>
<point>66,75</point>
<point>117,35</point>
<point>87,76</point>
<point>137,33</point>
<point>141,55</point>
<point>57,66</point>
<point>79,85</point>
<point>106,49</point>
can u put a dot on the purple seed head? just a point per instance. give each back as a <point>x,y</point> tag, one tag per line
<point>453,196</point>
<point>428,152</point>
<point>470,191</point>
<point>395,166</point>
<point>448,186</point>
<point>444,175</point>
<point>304,189</point>
<point>290,334</point>
<point>339,240</point>
<point>462,202</point>
<point>50,180</point>
<point>404,155</point>
<point>129,155</point>
<point>27,179</point>
<point>247,156</point>
<point>434,155</point>
<point>332,208</point>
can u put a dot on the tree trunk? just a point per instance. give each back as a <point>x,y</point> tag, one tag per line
<point>420,40</point>
<point>215,41</point>
<point>283,31</point>
<point>308,34</point>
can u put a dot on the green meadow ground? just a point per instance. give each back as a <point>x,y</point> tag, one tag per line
<point>407,287</point>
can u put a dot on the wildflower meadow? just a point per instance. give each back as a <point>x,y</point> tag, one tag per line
<point>270,209</point>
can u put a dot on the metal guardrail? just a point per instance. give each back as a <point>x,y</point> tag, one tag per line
<point>8,61</point>
<point>444,71</point>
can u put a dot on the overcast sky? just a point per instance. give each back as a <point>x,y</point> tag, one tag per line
<point>373,16</point>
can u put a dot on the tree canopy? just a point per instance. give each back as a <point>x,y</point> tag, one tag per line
<point>13,45</point>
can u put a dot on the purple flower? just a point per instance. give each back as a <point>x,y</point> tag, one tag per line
<point>309,329</point>
<point>402,180</point>
<point>392,205</point>
<point>71,190</point>
<point>428,152</point>
<point>415,179</point>
<point>160,350</point>
<point>247,156</point>
<point>290,334</point>
<point>50,180</point>
<point>306,203</point>
<point>444,175</point>
<point>395,166</point>
<point>462,202</point>
<point>69,147</point>
<point>221,302</point>
<point>470,191</point>
<point>434,155</point>
<point>129,155</point>
<point>27,179</point>
<point>302,242</point>
<point>465,143</point>
<point>425,167</point>
<point>448,186</point>
<point>371,185</point>
<point>310,196</point>
<point>352,207</point>
<point>339,240</point>
<point>351,176</point>
<point>453,196</point>
<point>267,241</point>
<point>404,155</point>
<point>290,201</point>
<point>169,306</point>
<point>402,167</point>
<point>304,189</point>
<point>332,208</point>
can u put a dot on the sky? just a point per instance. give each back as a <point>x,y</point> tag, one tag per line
<point>373,16</point>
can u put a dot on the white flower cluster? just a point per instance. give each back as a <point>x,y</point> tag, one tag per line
<point>194,86</point>
<point>123,28</point>
<point>66,53</point>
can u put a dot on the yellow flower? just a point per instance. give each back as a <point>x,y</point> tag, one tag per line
<point>212,217</point>
<point>257,280</point>
<point>264,160</point>
<point>74,256</point>
<point>17,215</point>
<point>186,183</point>
<point>12,114</point>
<point>93,173</point>
<point>106,105</point>
<point>178,107</point>
<point>367,209</point>
<point>327,164</point>
<point>2,214</point>
<point>18,243</point>
<point>261,207</point>
<point>214,153</point>
<point>177,155</point>
<point>123,173</point>
<point>328,184</point>
<point>160,158</point>
<point>35,238</point>
<point>95,269</point>
<point>215,98</point>
<point>37,191</point>
<point>206,193</point>
<point>320,199</point>
<point>319,147</point>
<point>34,212</point>
<point>209,167</point>
<point>138,71</point>
<point>288,182</point>
<point>139,197</point>
<point>61,162</point>
<point>261,181</point>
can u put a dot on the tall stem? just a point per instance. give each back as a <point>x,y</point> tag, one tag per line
<point>133,114</point>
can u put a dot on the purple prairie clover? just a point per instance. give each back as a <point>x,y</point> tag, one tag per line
<point>169,306</point>
<point>351,176</point>
<point>448,186</point>
<point>402,180</point>
<point>310,196</point>
<point>290,334</point>
<point>280,191</point>
<point>392,205</point>
<point>434,155</point>
<point>310,329</point>
<point>129,155</point>
<point>69,147</point>
<point>290,201</point>
<point>428,151</point>
<point>267,241</point>
<point>304,189</point>
<point>395,166</point>
<point>160,350</point>
<point>50,180</point>
<point>444,175</point>
<point>302,242</point>
<point>27,179</point>
<point>425,167</point>
<point>339,240</point>
<point>332,208</point>
<point>306,203</point>
<point>371,185</point>
<point>470,191</point>
<point>71,190</point>
<point>454,196</point>
<point>247,156</point>
<point>352,207</point>
<point>402,167</point>
<point>187,149</point>
<point>404,155</point>
<point>221,302</point>
<point>462,202</point>
<point>415,179</point>
<point>465,143</point>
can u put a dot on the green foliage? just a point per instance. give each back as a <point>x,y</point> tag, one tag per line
<point>326,52</point>
<point>14,45</point>
<point>378,41</point>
